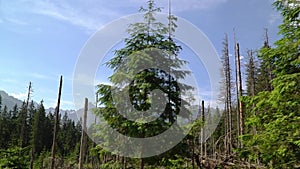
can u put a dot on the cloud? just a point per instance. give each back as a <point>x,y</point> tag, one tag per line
<point>84,14</point>
<point>66,103</point>
<point>16,21</point>
<point>197,4</point>
<point>38,76</point>
<point>67,14</point>
<point>180,5</point>
<point>106,82</point>
<point>92,15</point>
<point>20,96</point>
<point>274,18</point>
<point>8,80</point>
<point>87,15</point>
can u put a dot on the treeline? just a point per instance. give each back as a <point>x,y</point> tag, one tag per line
<point>26,134</point>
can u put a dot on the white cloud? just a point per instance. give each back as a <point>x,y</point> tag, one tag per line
<point>274,18</point>
<point>97,82</point>
<point>66,103</point>
<point>84,14</point>
<point>9,80</point>
<point>20,96</point>
<point>39,76</point>
<point>67,14</point>
<point>198,4</point>
<point>16,21</point>
<point>182,5</point>
<point>91,15</point>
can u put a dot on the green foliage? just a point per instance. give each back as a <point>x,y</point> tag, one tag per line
<point>276,114</point>
<point>39,127</point>
<point>14,158</point>
<point>40,162</point>
<point>177,162</point>
<point>146,40</point>
<point>111,164</point>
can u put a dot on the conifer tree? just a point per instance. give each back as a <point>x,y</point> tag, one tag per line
<point>276,113</point>
<point>149,42</point>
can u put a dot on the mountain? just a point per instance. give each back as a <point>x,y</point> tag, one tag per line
<point>9,101</point>
<point>76,115</point>
<point>71,113</point>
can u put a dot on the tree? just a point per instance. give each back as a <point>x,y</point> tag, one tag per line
<point>149,43</point>
<point>23,126</point>
<point>14,158</point>
<point>0,103</point>
<point>4,128</point>
<point>40,130</point>
<point>227,96</point>
<point>277,120</point>
<point>266,67</point>
<point>251,74</point>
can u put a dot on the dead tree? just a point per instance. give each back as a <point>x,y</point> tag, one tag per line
<point>83,135</point>
<point>228,97</point>
<point>56,125</point>
<point>203,141</point>
<point>239,91</point>
<point>24,116</point>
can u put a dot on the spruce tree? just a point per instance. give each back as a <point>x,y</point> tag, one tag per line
<point>149,43</point>
<point>276,113</point>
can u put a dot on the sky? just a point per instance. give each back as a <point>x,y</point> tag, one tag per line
<point>41,40</point>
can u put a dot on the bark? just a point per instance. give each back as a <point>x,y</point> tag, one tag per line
<point>83,136</point>
<point>239,89</point>
<point>56,125</point>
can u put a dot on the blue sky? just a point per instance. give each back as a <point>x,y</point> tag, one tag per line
<point>41,40</point>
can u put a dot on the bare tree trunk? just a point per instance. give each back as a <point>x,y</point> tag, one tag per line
<point>229,106</point>
<point>228,100</point>
<point>203,141</point>
<point>239,88</point>
<point>56,125</point>
<point>95,158</point>
<point>142,163</point>
<point>83,135</point>
<point>23,129</point>
<point>24,116</point>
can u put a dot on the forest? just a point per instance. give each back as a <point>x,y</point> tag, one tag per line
<point>259,125</point>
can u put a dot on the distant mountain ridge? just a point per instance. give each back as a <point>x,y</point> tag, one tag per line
<point>9,101</point>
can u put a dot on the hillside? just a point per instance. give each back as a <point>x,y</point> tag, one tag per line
<point>9,101</point>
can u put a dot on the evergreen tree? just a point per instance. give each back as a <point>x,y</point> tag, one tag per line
<point>276,113</point>
<point>149,43</point>
<point>38,130</point>
<point>14,126</point>
<point>251,74</point>
<point>5,133</point>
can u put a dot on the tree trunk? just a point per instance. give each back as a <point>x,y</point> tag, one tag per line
<point>24,116</point>
<point>142,163</point>
<point>240,90</point>
<point>203,141</point>
<point>83,135</point>
<point>56,125</point>
<point>228,100</point>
